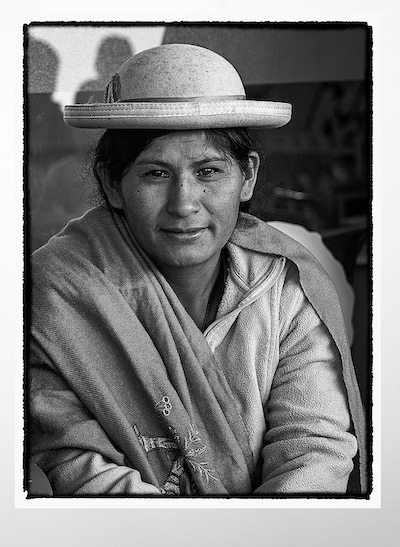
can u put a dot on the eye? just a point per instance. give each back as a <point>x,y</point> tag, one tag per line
<point>207,172</point>
<point>157,174</point>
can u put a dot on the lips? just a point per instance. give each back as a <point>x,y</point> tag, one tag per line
<point>184,233</point>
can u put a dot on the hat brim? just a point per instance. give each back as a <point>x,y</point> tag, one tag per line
<point>178,115</point>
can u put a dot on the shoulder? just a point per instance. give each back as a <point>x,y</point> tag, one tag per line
<point>83,241</point>
<point>252,233</point>
<point>256,235</point>
<point>72,265</point>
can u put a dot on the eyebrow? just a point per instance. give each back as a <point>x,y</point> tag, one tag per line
<point>195,163</point>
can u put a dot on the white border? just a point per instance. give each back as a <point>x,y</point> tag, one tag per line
<point>310,526</point>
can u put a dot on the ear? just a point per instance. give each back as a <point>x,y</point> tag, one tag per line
<point>111,190</point>
<point>250,177</point>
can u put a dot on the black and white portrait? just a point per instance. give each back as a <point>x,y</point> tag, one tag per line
<point>197,208</point>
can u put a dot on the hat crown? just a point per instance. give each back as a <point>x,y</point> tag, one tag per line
<point>177,71</point>
<point>177,87</point>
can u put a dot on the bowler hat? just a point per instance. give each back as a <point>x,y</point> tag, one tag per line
<point>177,86</point>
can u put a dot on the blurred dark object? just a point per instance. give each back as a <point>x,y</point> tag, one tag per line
<point>37,485</point>
<point>294,206</point>
<point>316,170</point>
<point>345,243</point>
<point>362,318</point>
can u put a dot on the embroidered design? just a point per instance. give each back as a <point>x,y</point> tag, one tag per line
<point>172,484</point>
<point>154,443</point>
<point>192,448</point>
<point>193,451</point>
<point>164,406</point>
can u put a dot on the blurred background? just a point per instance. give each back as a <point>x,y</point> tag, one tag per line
<point>316,170</point>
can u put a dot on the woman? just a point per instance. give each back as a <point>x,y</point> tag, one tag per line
<point>179,347</point>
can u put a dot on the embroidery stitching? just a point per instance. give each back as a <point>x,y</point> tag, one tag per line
<point>192,448</point>
<point>154,443</point>
<point>191,452</point>
<point>164,406</point>
<point>172,484</point>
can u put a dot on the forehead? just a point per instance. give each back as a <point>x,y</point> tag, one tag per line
<point>181,146</point>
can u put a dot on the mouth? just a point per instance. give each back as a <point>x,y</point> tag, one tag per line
<point>187,234</point>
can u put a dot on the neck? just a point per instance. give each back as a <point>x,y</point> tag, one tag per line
<point>193,285</point>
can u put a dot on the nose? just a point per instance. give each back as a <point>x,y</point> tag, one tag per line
<point>182,198</point>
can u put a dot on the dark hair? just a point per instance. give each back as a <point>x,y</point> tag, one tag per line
<point>117,150</point>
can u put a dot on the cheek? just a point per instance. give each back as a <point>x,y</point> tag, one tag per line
<point>224,209</point>
<point>139,202</point>
<point>229,200</point>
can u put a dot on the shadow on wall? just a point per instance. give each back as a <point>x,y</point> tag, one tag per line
<point>54,190</point>
<point>113,51</point>
<point>58,187</point>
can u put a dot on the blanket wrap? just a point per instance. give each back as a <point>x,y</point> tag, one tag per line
<point>119,369</point>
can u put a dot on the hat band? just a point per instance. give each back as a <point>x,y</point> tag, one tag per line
<point>203,99</point>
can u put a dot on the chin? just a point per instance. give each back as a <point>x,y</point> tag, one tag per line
<point>184,260</point>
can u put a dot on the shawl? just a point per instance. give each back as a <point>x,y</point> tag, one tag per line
<point>118,367</point>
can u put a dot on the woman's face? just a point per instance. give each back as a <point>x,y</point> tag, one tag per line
<point>181,198</point>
